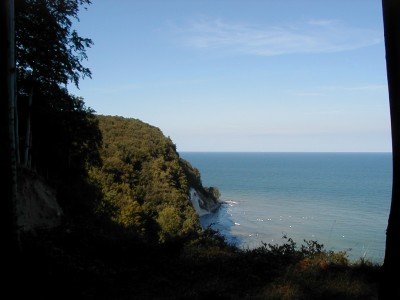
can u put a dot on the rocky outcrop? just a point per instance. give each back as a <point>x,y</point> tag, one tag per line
<point>205,200</point>
<point>203,204</point>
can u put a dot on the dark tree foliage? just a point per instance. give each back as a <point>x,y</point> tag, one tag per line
<point>71,138</point>
<point>48,49</point>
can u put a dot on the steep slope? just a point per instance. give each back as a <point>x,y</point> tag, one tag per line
<point>146,186</point>
<point>37,205</point>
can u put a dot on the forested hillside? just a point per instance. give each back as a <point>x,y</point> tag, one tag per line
<point>144,183</point>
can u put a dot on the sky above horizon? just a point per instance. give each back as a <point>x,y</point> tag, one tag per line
<point>243,75</point>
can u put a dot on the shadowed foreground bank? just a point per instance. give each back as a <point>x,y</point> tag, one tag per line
<point>86,263</point>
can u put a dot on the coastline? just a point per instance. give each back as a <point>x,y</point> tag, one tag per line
<point>330,198</point>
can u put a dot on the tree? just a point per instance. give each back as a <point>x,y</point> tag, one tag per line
<point>390,288</point>
<point>48,49</point>
<point>8,167</point>
<point>49,55</point>
<point>58,134</point>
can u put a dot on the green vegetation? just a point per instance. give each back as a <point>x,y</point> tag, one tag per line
<point>144,183</point>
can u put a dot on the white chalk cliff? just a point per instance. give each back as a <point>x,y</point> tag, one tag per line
<point>202,204</point>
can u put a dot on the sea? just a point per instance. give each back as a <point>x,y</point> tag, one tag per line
<point>340,200</point>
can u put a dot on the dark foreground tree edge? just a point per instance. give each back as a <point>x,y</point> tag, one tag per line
<point>8,167</point>
<point>390,287</point>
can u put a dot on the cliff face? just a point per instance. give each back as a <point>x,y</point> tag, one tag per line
<point>204,200</point>
<point>146,186</point>
<point>203,204</point>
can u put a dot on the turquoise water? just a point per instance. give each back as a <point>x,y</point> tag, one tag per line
<point>339,199</point>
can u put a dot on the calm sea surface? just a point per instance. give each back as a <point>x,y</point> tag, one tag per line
<point>339,199</point>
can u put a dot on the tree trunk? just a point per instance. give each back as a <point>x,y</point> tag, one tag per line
<point>28,137</point>
<point>8,166</point>
<point>16,123</point>
<point>390,285</point>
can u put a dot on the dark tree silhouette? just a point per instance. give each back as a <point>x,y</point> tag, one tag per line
<point>390,287</point>
<point>58,134</point>
<point>8,167</point>
<point>49,55</point>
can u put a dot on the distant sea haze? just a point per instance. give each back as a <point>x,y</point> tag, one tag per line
<point>341,200</point>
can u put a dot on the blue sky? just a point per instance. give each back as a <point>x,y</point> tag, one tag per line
<point>243,75</point>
